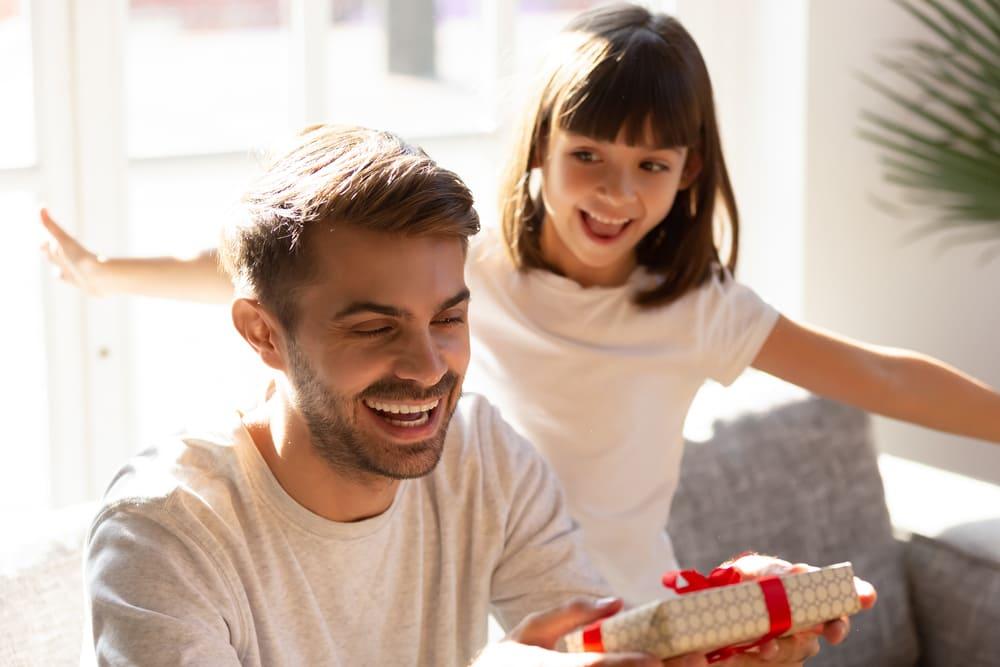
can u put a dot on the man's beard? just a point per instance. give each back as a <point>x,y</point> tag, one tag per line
<point>349,449</point>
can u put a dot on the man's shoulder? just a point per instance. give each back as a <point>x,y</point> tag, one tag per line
<point>477,421</point>
<point>185,478</point>
<point>482,445</point>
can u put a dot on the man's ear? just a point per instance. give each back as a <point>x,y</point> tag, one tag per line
<point>692,169</point>
<point>261,329</point>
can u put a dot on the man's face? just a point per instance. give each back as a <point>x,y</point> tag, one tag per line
<point>381,345</point>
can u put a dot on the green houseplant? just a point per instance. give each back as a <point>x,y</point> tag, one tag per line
<point>942,151</point>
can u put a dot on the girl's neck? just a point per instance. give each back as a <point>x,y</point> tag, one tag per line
<point>561,258</point>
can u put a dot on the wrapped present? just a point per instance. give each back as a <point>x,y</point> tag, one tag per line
<point>719,615</point>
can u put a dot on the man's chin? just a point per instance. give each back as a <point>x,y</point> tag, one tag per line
<point>410,461</point>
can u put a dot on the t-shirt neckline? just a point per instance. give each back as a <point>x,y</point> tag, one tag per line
<point>269,490</point>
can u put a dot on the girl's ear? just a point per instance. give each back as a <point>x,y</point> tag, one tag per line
<point>539,149</point>
<point>259,328</point>
<point>692,169</point>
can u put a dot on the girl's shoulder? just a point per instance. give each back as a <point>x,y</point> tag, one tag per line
<point>720,291</point>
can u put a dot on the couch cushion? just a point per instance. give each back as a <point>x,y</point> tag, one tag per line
<point>800,481</point>
<point>41,588</point>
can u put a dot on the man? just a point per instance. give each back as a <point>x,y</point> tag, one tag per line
<point>366,513</point>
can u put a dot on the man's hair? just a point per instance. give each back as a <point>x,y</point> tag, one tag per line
<point>335,175</point>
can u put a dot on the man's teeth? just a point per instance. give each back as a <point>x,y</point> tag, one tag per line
<point>608,221</point>
<point>401,409</point>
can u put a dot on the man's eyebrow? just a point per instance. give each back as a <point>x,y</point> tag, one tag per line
<point>454,301</point>
<point>392,311</point>
<point>369,307</point>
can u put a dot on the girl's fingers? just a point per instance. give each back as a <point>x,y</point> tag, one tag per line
<point>835,632</point>
<point>50,225</point>
<point>866,593</point>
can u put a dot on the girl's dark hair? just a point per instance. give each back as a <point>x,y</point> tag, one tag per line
<point>622,71</point>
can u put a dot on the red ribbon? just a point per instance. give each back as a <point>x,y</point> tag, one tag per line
<point>775,598</point>
<point>592,640</point>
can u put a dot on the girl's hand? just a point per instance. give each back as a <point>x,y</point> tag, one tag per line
<point>805,644</point>
<point>73,263</point>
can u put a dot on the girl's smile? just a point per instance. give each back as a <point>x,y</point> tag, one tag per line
<point>601,198</point>
<point>603,230</point>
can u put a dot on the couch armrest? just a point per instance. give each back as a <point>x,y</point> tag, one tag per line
<point>42,605</point>
<point>951,528</point>
<point>955,599</point>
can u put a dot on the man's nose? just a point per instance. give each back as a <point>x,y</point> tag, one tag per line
<point>420,360</point>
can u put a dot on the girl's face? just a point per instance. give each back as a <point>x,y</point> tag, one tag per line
<point>601,198</point>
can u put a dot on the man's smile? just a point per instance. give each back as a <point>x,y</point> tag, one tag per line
<point>403,414</point>
<point>407,421</point>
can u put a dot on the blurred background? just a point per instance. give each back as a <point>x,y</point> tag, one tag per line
<point>138,122</point>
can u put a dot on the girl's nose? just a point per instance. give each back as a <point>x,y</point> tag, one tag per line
<point>618,186</point>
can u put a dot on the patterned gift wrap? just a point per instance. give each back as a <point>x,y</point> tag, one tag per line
<point>712,618</point>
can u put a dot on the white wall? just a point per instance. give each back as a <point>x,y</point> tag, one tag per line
<point>814,244</point>
<point>755,56</point>
<point>860,278</point>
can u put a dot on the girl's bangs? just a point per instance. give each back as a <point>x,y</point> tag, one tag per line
<point>641,91</point>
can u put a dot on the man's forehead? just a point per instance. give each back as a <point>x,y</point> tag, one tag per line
<point>352,265</point>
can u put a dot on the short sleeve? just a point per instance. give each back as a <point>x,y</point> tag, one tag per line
<point>734,322</point>
<point>155,597</point>
<point>543,563</point>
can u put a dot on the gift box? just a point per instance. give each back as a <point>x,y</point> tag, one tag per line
<point>719,615</point>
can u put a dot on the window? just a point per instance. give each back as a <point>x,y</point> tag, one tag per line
<point>205,77</point>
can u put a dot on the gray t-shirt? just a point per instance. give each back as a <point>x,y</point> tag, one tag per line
<point>198,556</point>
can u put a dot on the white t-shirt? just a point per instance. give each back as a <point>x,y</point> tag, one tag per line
<point>198,556</point>
<point>601,388</point>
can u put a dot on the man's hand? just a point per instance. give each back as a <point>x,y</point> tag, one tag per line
<point>73,263</point>
<point>799,647</point>
<point>532,642</point>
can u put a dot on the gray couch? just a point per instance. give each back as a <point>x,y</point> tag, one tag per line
<point>800,480</point>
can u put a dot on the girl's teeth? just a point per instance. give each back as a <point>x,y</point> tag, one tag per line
<point>607,221</point>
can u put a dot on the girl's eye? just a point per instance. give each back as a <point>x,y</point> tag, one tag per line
<point>655,167</point>
<point>585,156</point>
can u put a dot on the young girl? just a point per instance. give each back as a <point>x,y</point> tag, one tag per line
<point>607,303</point>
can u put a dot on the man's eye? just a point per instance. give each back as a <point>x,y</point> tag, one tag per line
<point>372,333</point>
<point>449,321</point>
<point>585,156</point>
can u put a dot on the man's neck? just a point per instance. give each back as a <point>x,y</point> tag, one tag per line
<point>283,439</point>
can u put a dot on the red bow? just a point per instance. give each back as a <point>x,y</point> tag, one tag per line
<point>688,581</point>
<point>775,597</point>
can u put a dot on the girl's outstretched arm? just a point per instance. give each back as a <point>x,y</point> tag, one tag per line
<point>895,383</point>
<point>195,278</point>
